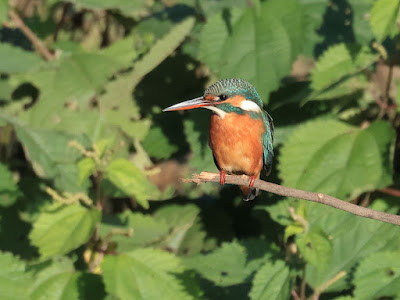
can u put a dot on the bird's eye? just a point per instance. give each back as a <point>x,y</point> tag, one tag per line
<point>223,97</point>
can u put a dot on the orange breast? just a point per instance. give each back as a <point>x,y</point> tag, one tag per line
<point>236,142</point>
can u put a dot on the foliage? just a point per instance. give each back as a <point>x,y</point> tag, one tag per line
<point>91,206</point>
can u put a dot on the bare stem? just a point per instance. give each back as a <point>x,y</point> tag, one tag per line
<point>37,43</point>
<point>300,194</point>
<point>319,290</point>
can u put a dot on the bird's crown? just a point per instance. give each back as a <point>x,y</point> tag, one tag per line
<point>233,87</point>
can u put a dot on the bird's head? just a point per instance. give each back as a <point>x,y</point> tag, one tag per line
<point>225,96</point>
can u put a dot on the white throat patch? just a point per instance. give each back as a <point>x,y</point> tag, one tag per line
<point>218,111</point>
<point>248,105</point>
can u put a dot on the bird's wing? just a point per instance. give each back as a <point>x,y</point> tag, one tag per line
<point>268,139</point>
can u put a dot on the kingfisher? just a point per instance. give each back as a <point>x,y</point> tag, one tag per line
<point>241,132</point>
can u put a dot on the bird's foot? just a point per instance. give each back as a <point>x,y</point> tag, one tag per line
<point>252,180</point>
<point>222,174</point>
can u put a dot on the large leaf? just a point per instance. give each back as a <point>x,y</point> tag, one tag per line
<point>339,63</point>
<point>143,274</point>
<point>383,17</point>
<point>314,16</point>
<point>180,219</point>
<point>131,181</point>
<point>9,191</point>
<point>146,230</point>
<point>49,153</point>
<point>63,228</point>
<point>71,81</point>
<point>14,280</point>
<point>18,60</point>
<point>353,238</point>
<point>230,264</point>
<point>116,102</point>
<point>272,281</point>
<point>260,45</point>
<point>378,275</point>
<point>60,281</point>
<point>331,157</point>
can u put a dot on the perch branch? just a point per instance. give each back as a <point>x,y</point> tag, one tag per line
<point>300,194</point>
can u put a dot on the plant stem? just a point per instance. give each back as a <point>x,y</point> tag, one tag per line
<point>36,42</point>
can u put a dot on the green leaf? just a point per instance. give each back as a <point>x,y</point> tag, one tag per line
<point>377,276</point>
<point>131,181</point>
<point>162,49</point>
<point>365,236</point>
<point>339,61</point>
<point>9,191</point>
<point>87,167</point>
<point>314,16</point>
<point>143,274</point>
<point>361,21</point>
<point>50,155</point>
<point>147,230</point>
<point>331,157</point>
<point>71,81</point>
<point>59,281</point>
<point>180,220</point>
<point>225,266</point>
<point>315,247</point>
<point>18,60</point>
<point>3,10</point>
<point>260,45</point>
<point>14,280</point>
<point>272,281</point>
<point>157,144</point>
<point>383,17</point>
<point>63,228</point>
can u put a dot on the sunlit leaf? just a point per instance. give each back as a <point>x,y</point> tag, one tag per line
<point>260,46</point>
<point>143,274</point>
<point>14,279</point>
<point>315,247</point>
<point>365,236</point>
<point>377,276</point>
<point>59,280</point>
<point>383,17</point>
<point>272,281</point>
<point>334,158</point>
<point>146,230</point>
<point>63,228</point>
<point>18,60</point>
<point>131,181</point>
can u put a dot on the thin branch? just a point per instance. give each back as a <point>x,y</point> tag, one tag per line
<point>37,43</point>
<point>300,194</point>
<point>390,191</point>
<point>319,290</point>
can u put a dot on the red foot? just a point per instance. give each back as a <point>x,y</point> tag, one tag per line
<point>222,174</point>
<point>252,179</point>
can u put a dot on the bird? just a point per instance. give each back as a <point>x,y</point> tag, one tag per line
<point>241,132</point>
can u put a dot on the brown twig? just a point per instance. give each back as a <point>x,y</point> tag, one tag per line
<point>37,43</point>
<point>390,191</point>
<point>300,194</point>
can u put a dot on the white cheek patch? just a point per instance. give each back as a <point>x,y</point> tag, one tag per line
<point>248,105</point>
<point>218,111</point>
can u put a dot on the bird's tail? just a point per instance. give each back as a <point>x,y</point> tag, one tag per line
<point>249,193</point>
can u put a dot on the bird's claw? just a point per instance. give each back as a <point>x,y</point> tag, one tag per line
<point>252,180</point>
<point>222,174</point>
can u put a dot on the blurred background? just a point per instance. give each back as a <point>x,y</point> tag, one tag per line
<point>91,202</point>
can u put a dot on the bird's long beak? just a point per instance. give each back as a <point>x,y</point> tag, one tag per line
<point>190,104</point>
